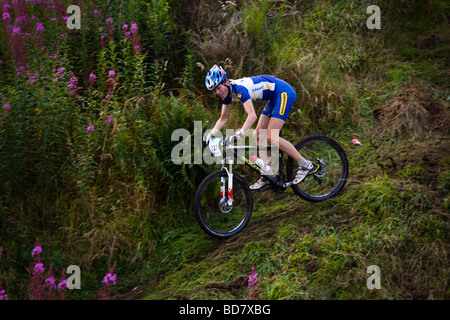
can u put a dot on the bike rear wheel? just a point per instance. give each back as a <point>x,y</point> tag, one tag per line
<point>331,164</point>
<point>213,212</point>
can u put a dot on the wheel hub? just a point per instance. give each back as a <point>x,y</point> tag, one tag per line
<point>224,206</point>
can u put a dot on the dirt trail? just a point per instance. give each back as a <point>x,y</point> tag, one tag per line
<point>250,234</point>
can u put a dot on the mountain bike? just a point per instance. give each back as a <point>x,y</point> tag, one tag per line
<point>223,202</point>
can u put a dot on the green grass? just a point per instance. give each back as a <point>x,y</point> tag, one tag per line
<point>114,197</point>
<point>322,251</point>
<point>392,212</point>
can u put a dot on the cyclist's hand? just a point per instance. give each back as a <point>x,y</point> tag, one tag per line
<point>208,138</point>
<point>234,138</point>
<point>231,139</point>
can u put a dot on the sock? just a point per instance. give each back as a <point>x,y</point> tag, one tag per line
<point>303,162</point>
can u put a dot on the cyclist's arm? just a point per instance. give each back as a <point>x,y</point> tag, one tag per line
<point>223,119</point>
<point>251,116</point>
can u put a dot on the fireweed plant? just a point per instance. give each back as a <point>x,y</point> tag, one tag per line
<point>72,88</point>
<point>253,285</point>
<point>108,281</point>
<point>3,294</point>
<point>43,285</point>
<point>67,99</point>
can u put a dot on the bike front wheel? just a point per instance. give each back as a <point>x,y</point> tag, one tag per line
<point>222,212</point>
<point>330,171</point>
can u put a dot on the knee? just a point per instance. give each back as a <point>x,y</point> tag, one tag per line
<point>272,135</point>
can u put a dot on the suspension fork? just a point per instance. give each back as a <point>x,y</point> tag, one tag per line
<point>227,194</point>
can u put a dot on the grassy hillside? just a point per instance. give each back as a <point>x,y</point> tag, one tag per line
<point>85,161</point>
<point>388,88</point>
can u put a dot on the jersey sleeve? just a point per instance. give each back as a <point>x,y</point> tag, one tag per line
<point>242,93</point>
<point>239,92</point>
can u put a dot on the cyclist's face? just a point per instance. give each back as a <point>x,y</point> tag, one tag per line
<point>221,90</point>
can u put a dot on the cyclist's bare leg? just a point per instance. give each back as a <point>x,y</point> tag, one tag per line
<point>260,135</point>
<point>268,130</point>
<point>273,136</point>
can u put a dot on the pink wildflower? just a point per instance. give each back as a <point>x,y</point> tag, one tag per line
<point>73,84</point>
<point>50,283</point>
<point>62,285</point>
<point>90,128</point>
<point>36,251</point>
<point>16,32</point>
<point>92,78</point>
<point>111,80</point>
<point>134,27</point>
<point>3,295</point>
<point>253,284</point>
<point>6,16</point>
<point>22,20</point>
<point>109,279</point>
<point>32,77</point>
<point>40,27</point>
<point>109,28</point>
<point>38,268</point>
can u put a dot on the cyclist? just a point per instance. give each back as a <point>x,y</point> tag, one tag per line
<point>280,96</point>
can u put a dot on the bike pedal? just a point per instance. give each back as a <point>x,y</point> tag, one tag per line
<point>264,188</point>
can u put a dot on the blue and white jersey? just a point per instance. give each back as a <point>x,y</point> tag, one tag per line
<point>257,88</point>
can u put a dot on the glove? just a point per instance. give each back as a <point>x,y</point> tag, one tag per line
<point>234,138</point>
<point>231,139</point>
<point>208,137</point>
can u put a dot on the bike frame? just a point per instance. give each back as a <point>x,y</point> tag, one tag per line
<point>278,182</point>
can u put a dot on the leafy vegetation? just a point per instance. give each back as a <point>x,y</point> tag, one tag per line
<point>86,141</point>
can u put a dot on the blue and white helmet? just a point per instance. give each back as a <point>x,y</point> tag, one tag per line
<point>214,77</point>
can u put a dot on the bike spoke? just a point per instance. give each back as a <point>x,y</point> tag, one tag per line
<point>219,214</point>
<point>330,177</point>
